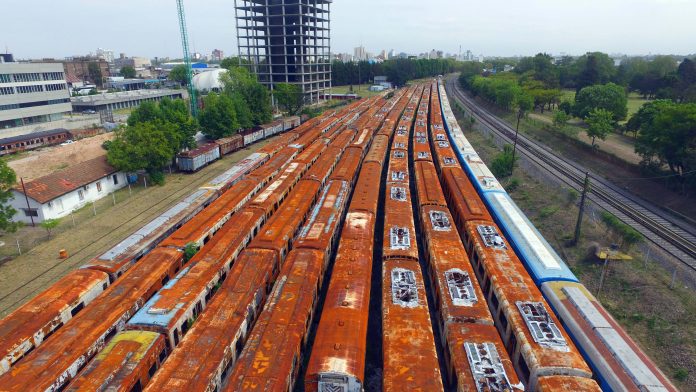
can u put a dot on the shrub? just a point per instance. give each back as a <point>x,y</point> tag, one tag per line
<point>189,251</point>
<point>503,163</point>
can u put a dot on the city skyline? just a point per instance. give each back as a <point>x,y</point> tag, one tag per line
<point>530,28</point>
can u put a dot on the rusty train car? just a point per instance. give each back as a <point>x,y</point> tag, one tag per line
<point>474,355</point>
<point>101,320</point>
<point>338,355</point>
<point>127,363</point>
<point>410,358</point>
<point>220,333</point>
<point>536,342</point>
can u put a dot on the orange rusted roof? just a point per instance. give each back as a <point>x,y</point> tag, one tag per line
<point>123,363</point>
<point>464,202</point>
<point>347,167</point>
<point>567,383</point>
<point>515,291</point>
<point>47,188</point>
<point>428,184</point>
<point>53,364</point>
<point>477,359</point>
<point>210,219</point>
<point>223,325</point>
<point>273,349</point>
<point>408,344</point>
<point>28,326</point>
<point>320,229</point>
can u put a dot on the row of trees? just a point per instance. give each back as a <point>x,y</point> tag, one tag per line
<point>399,71</point>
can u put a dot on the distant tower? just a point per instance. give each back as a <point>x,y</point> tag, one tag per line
<point>287,41</point>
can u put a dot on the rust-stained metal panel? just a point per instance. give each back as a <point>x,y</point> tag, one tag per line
<point>270,169</point>
<point>273,354</point>
<point>125,362</point>
<point>567,383</point>
<point>219,334</point>
<point>347,167</point>
<point>378,150</point>
<point>428,184</point>
<point>463,200</point>
<point>53,364</point>
<point>323,168</point>
<point>277,144</point>
<point>478,361</point>
<point>320,230</point>
<point>275,192</point>
<point>506,283</point>
<point>408,345</point>
<point>365,195</point>
<point>457,291</point>
<point>177,305</point>
<point>29,325</point>
<point>206,223</point>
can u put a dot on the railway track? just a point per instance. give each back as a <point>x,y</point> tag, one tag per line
<point>668,233</point>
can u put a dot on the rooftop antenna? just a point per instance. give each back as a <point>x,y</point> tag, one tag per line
<point>193,100</point>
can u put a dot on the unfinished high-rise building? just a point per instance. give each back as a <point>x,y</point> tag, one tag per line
<point>287,41</point>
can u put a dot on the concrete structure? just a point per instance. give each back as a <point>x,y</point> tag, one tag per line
<point>360,54</point>
<point>32,93</point>
<point>106,54</point>
<point>217,55</point>
<point>122,100</point>
<point>287,41</point>
<point>57,194</point>
<point>123,84</point>
<point>134,62</point>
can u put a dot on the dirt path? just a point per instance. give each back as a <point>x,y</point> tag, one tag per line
<point>25,276</point>
<point>38,163</point>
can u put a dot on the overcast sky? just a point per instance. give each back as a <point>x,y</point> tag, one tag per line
<point>149,28</point>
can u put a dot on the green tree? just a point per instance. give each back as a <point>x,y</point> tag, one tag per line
<point>289,97</point>
<point>238,82</point>
<point>560,119</point>
<point>667,134</point>
<point>49,225</point>
<point>95,74</point>
<point>127,72</point>
<point>593,68</point>
<point>503,163</point>
<point>148,146</point>
<point>600,124</point>
<point>175,113</point>
<point>178,74</point>
<point>610,97</point>
<point>8,178</point>
<point>218,118</point>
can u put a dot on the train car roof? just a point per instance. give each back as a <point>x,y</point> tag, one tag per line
<point>540,258</point>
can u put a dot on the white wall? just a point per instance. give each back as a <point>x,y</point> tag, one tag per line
<point>71,201</point>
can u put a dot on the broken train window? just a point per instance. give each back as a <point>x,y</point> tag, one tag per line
<point>398,176</point>
<point>399,238</point>
<point>403,286</point>
<point>440,221</point>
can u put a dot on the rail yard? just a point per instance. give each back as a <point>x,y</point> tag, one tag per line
<point>382,201</point>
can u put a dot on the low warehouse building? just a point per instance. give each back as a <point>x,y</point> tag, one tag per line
<point>58,194</point>
<point>122,100</point>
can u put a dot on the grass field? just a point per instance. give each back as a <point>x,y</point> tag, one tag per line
<point>361,90</point>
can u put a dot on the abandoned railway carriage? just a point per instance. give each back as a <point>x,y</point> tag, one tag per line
<point>616,360</point>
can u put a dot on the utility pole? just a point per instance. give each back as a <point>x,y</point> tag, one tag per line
<point>578,224</point>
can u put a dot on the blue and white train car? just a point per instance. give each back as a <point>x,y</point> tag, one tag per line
<point>617,361</point>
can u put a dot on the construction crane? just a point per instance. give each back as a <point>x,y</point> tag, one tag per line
<point>193,100</point>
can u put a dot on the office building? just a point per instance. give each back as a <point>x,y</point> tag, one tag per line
<point>32,93</point>
<point>287,41</point>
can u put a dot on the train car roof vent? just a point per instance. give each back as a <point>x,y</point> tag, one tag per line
<point>420,123</point>
<point>398,176</point>
<point>443,144</point>
<point>490,237</point>
<point>399,154</point>
<point>489,182</point>
<point>440,221</point>
<point>542,327</point>
<point>403,286</point>
<point>487,368</point>
<point>398,193</point>
<point>440,137</point>
<point>402,128</point>
<point>399,238</point>
<point>461,288</point>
